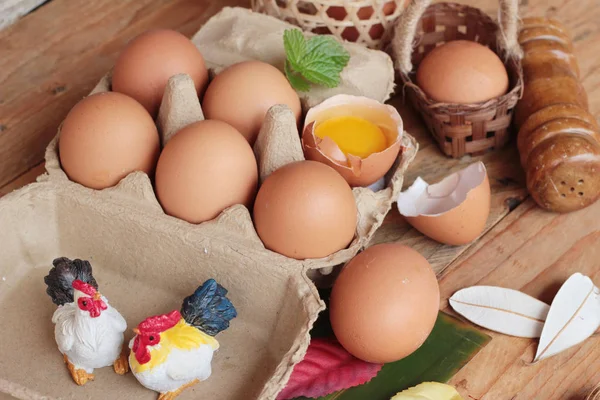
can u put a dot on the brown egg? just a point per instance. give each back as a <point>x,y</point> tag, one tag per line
<point>146,64</point>
<point>453,211</point>
<point>205,168</point>
<point>305,210</point>
<point>462,72</point>
<point>242,94</point>
<point>384,303</point>
<point>105,137</point>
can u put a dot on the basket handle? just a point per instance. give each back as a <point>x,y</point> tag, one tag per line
<point>406,27</point>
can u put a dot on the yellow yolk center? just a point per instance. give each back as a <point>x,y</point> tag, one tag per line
<point>353,135</point>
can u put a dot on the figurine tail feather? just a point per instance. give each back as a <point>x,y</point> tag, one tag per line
<point>208,309</point>
<point>60,279</point>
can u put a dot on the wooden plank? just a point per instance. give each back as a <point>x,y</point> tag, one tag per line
<point>11,10</point>
<point>26,178</point>
<point>533,251</point>
<point>53,57</point>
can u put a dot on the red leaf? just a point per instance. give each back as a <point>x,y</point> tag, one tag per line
<point>326,368</point>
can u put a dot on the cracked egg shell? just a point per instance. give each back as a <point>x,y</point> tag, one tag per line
<point>356,171</point>
<point>453,211</point>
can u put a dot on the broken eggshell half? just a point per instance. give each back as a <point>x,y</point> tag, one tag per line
<point>356,170</point>
<point>453,211</point>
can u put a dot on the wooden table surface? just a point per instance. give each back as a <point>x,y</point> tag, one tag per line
<point>54,55</point>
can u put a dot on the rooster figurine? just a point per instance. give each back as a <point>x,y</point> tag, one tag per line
<point>88,331</point>
<point>172,352</point>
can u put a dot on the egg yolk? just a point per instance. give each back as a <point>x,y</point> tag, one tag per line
<point>353,135</point>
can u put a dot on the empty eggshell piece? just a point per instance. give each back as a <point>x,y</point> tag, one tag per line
<point>305,210</point>
<point>384,303</point>
<point>144,67</point>
<point>105,137</point>
<point>357,169</point>
<point>205,168</point>
<point>242,94</point>
<point>453,211</point>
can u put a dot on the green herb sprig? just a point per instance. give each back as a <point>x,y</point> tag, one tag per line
<point>318,60</point>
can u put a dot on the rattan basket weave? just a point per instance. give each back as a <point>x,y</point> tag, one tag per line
<point>460,129</point>
<point>368,22</point>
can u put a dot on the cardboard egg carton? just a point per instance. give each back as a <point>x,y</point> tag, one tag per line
<point>278,144</point>
<point>146,262</point>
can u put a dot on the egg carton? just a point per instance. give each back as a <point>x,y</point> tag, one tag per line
<point>278,142</point>
<point>146,262</point>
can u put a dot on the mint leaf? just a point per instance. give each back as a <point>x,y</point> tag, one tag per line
<point>327,46</point>
<point>324,76</point>
<point>318,60</point>
<point>295,45</point>
<point>296,80</point>
<point>324,61</point>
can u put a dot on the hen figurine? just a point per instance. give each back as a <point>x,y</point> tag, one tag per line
<point>88,331</point>
<point>172,352</point>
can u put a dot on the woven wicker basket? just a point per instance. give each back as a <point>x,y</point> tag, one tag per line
<point>460,129</point>
<point>368,22</point>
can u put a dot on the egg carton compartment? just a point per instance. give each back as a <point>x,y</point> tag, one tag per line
<point>144,265</point>
<point>278,144</point>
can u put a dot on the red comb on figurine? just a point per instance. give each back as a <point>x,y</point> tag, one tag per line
<point>84,287</point>
<point>159,323</point>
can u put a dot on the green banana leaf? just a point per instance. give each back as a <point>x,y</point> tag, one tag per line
<point>451,345</point>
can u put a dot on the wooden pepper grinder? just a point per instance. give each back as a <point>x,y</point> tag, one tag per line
<point>558,140</point>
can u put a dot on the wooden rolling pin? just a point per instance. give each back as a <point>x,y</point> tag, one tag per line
<point>558,140</point>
